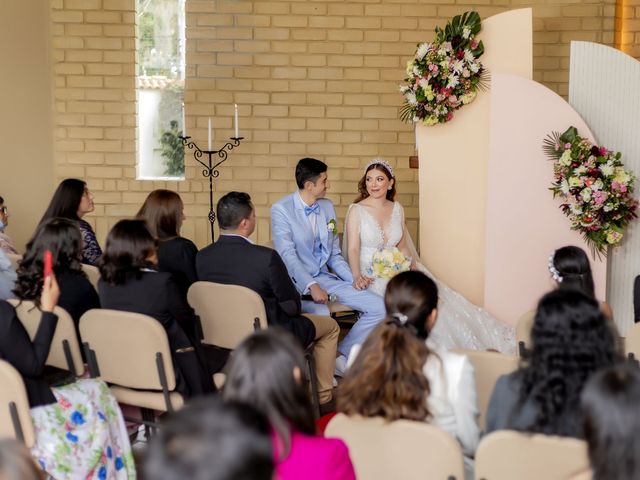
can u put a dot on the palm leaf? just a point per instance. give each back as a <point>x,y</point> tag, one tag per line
<point>549,145</point>
<point>406,113</point>
<point>484,81</point>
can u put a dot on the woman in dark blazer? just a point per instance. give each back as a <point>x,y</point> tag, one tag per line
<point>62,238</point>
<point>163,211</point>
<point>25,355</point>
<point>130,283</point>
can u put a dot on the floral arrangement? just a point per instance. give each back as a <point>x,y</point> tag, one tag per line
<point>446,74</point>
<point>331,226</point>
<point>595,188</point>
<point>388,262</point>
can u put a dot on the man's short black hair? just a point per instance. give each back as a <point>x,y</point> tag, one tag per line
<point>214,440</point>
<point>232,209</point>
<point>308,170</point>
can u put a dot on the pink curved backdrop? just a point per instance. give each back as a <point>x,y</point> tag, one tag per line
<point>523,221</point>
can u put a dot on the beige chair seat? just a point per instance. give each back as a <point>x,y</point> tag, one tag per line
<point>402,450</point>
<point>508,455</point>
<point>150,400</point>
<point>488,367</point>
<point>15,417</point>
<point>93,274</point>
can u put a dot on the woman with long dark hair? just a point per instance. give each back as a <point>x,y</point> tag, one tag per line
<point>73,200</point>
<point>130,282</point>
<point>571,339</point>
<point>267,370</point>
<point>163,211</point>
<point>62,238</point>
<point>400,374</point>
<point>610,403</point>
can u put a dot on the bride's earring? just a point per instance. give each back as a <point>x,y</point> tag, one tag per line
<point>389,188</point>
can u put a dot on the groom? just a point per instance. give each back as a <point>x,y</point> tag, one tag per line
<point>303,228</point>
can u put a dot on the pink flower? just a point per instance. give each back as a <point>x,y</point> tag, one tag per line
<point>623,188</point>
<point>615,185</point>
<point>603,151</point>
<point>474,44</point>
<point>449,116</point>
<point>567,146</point>
<point>557,146</point>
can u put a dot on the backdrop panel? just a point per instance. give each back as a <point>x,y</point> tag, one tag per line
<point>604,87</point>
<point>453,165</point>
<point>524,224</point>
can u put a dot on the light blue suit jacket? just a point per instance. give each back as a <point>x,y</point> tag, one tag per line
<point>293,238</point>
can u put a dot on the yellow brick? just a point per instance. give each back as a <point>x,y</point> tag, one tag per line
<point>289,21</point>
<point>127,5</point>
<point>103,17</point>
<point>66,16</point>
<point>288,47</point>
<point>306,136</point>
<point>288,98</point>
<point>278,8</point>
<point>251,46</point>
<point>271,33</point>
<point>326,22</point>
<point>308,60</point>
<point>346,35</point>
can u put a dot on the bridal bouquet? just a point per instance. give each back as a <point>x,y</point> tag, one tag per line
<point>594,186</point>
<point>388,262</point>
<point>446,74</point>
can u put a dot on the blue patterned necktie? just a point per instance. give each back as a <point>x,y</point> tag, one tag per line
<point>315,208</point>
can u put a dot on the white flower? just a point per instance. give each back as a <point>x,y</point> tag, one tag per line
<point>458,66</point>
<point>423,49</point>
<point>416,71</point>
<point>404,88</point>
<point>607,208</point>
<point>411,98</point>
<point>468,56</point>
<point>447,46</point>
<point>466,32</point>
<point>452,81</point>
<point>564,186</point>
<point>586,195</point>
<point>576,209</point>
<point>424,83</point>
<point>607,169</point>
<point>581,170</point>
<point>565,158</point>
<point>597,185</point>
<point>442,52</point>
<point>474,67</point>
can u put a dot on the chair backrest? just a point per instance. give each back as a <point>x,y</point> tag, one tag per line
<point>227,313</point>
<point>488,366</point>
<point>523,329</point>
<point>506,455</point>
<point>93,274</point>
<point>15,259</point>
<point>15,418</point>
<point>402,449</point>
<point>126,346</point>
<point>632,341</point>
<point>65,349</point>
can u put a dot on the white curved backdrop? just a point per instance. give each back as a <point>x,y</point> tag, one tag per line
<point>524,224</point>
<point>604,87</point>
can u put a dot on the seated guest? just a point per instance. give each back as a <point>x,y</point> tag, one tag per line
<point>130,282</point>
<point>6,245</point>
<point>570,268</point>
<point>73,200</point>
<point>62,238</point>
<point>16,463</point>
<point>610,403</point>
<point>571,339</point>
<point>267,371</point>
<point>7,277</point>
<point>234,259</point>
<point>213,440</point>
<point>163,211</point>
<point>398,373</point>
<point>79,429</point>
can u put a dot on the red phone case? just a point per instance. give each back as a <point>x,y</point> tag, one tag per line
<point>48,263</point>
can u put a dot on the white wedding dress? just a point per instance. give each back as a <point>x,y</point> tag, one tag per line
<point>460,324</point>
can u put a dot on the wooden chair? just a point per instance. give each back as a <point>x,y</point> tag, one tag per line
<point>130,351</point>
<point>508,455</point>
<point>65,349</point>
<point>488,366</point>
<point>523,331</point>
<point>93,274</point>
<point>15,259</point>
<point>15,418</point>
<point>402,449</point>
<point>228,314</point>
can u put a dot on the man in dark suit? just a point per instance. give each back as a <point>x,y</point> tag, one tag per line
<point>235,260</point>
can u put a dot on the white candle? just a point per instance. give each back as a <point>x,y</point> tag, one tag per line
<point>235,121</point>
<point>209,138</point>
<point>184,121</point>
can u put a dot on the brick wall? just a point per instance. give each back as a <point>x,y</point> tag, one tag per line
<point>628,27</point>
<point>312,78</point>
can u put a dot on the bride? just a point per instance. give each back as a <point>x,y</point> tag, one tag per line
<point>376,222</point>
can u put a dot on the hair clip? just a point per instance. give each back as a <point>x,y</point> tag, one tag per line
<point>555,273</point>
<point>401,317</point>
<point>380,161</point>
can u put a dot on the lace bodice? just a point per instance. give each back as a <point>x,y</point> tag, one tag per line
<point>373,235</point>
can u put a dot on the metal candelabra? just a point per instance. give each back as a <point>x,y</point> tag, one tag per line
<point>211,169</point>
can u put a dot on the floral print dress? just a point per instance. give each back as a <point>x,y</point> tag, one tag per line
<point>83,435</point>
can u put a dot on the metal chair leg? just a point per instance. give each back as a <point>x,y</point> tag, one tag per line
<point>311,371</point>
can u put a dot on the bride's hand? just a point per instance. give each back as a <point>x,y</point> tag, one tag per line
<point>361,282</point>
<point>414,266</point>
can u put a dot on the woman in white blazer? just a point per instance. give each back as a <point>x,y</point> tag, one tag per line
<point>399,374</point>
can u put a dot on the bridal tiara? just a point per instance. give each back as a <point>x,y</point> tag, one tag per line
<point>555,273</point>
<point>380,161</point>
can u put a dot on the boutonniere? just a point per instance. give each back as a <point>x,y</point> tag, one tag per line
<point>331,225</point>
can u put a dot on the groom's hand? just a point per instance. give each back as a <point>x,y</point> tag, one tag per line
<point>318,293</point>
